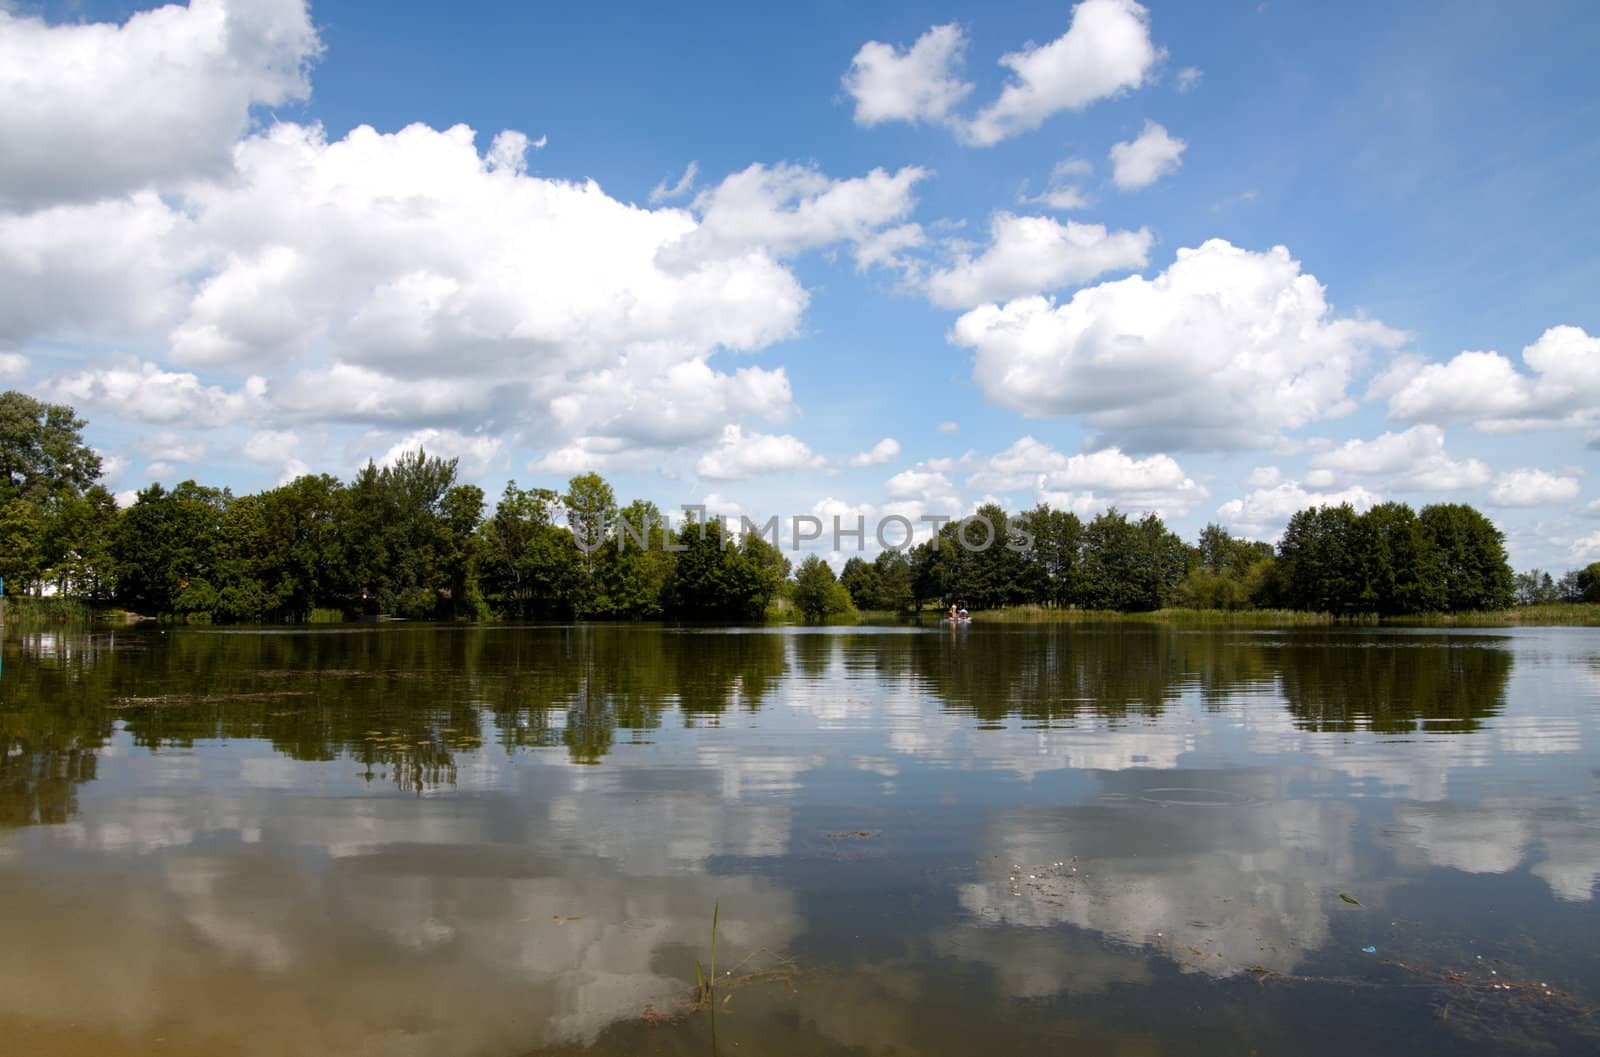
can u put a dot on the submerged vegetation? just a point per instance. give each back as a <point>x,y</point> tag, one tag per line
<point>407,540</point>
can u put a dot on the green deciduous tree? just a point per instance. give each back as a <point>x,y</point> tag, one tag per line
<point>591,509</point>
<point>1320,567</point>
<point>716,576</point>
<point>633,567</point>
<point>77,545</point>
<point>460,513</point>
<point>894,580</point>
<point>1400,569</point>
<point>22,544</point>
<point>1588,582</point>
<point>530,566</point>
<point>817,594</point>
<point>1055,562</point>
<point>304,564</point>
<point>42,454</point>
<point>168,550</point>
<point>860,578</point>
<point>1227,572</point>
<point>1536,588</point>
<point>1472,557</point>
<point>1131,566</point>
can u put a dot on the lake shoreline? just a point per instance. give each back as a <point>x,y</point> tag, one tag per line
<point>1572,614</point>
<point>31,612</point>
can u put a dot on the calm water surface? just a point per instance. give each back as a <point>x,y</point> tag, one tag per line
<point>1121,839</point>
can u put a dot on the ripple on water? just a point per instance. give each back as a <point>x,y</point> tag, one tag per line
<point>1197,796</point>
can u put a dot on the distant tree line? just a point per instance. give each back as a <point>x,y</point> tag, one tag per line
<point>1388,560</point>
<point>409,540</point>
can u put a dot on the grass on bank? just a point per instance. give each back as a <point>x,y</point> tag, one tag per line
<point>1571,614</point>
<point>22,610</point>
<point>1219,617</point>
<point>1559,614</point>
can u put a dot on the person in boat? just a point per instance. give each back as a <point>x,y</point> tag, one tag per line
<point>962,614</point>
<point>952,611</point>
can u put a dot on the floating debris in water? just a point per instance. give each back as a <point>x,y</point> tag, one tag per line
<point>185,700</point>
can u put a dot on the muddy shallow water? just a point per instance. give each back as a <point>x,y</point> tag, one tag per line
<point>1123,839</point>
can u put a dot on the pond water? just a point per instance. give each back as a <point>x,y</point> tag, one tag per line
<point>1123,839</point>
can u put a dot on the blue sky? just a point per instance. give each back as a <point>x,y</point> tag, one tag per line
<point>201,249</point>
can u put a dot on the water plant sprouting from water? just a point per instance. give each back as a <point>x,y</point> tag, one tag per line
<point>706,983</point>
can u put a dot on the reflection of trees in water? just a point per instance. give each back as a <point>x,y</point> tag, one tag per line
<point>1045,675</point>
<point>1330,681</point>
<point>39,781</point>
<point>577,686</point>
<point>1393,684</point>
<point>403,702</point>
<point>51,725</point>
<point>814,653</point>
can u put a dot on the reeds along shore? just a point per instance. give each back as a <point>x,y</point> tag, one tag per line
<point>1220,617</point>
<point>1574,614</point>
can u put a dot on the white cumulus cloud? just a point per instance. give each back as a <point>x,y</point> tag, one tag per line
<point>1561,387</point>
<point>476,452</point>
<point>1264,477</point>
<point>271,446</point>
<point>739,455</point>
<point>1106,51</point>
<point>1029,255</point>
<point>408,280</point>
<point>885,451</point>
<point>1089,482</point>
<point>113,464</point>
<point>594,455</point>
<point>1414,460</point>
<point>405,279</point>
<point>100,109</point>
<point>786,209</point>
<point>1532,487</point>
<point>1263,513</point>
<point>914,84</point>
<point>1142,161</point>
<point>930,487</point>
<point>1221,351</point>
<point>115,267</point>
<point>171,447</point>
<point>147,393</point>
<point>1586,549</point>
